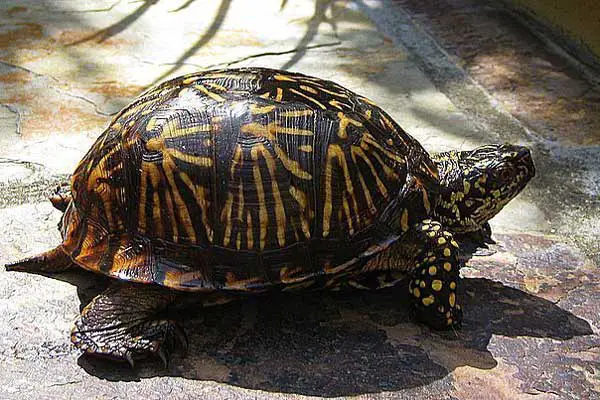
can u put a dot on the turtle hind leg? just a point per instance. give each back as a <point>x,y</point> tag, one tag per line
<point>435,278</point>
<point>121,323</point>
<point>55,260</point>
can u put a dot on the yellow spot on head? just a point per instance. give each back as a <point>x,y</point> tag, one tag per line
<point>436,285</point>
<point>441,241</point>
<point>452,285</point>
<point>422,284</point>
<point>428,300</point>
<point>447,252</point>
<point>449,322</point>
<point>431,234</point>
<point>416,292</point>
<point>432,270</point>
<point>453,243</point>
<point>448,266</point>
<point>452,299</point>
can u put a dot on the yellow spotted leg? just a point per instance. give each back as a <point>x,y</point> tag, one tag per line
<point>435,277</point>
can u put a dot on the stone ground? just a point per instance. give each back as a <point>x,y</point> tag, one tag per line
<point>454,73</point>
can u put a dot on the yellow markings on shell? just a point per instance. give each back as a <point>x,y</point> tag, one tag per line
<point>447,266</point>
<point>404,220</point>
<point>279,208</point>
<point>285,78</point>
<point>200,161</point>
<point>422,284</point>
<point>154,173</point>
<point>337,104</point>
<point>269,131</point>
<point>452,299</point>
<point>169,166</point>
<point>309,89</point>
<point>302,200</point>
<point>226,218</point>
<point>342,95</point>
<point>452,285</point>
<point>369,139</point>
<point>345,121</point>
<point>296,113</point>
<point>210,94</point>
<point>237,160</point>
<point>263,217</point>
<point>416,292</point>
<point>428,300</point>
<point>189,80</point>
<point>200,196</point>
<point>256,109</point>
<point>356,151</point>
<point>314,101</point>
<point>279,94</point>
<point>249,231</point>
<point>447,252</point>
<point>436,285</point>
<point>432,270</point>
<point>292,130</point>
<point>389,172</point>
<point>307,148</point>
<point>142,203</point>
<point>335,151</point>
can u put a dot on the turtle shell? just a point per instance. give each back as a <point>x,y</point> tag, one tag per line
<point>245,179</point>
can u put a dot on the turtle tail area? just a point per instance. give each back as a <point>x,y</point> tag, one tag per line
<point>55,260</point>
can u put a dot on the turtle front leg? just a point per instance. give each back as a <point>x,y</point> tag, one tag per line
<point>435,278</point>
<point>121,323</point>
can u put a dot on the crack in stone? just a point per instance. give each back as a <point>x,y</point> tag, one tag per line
<point>16,111</point>
<point>245,58</point>
<point>85,99</point>
<point>276,53</point>
<point>55,88</point>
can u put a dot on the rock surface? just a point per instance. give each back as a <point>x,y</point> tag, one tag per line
<point>453,73</point>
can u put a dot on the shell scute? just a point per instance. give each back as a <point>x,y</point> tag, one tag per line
<point>243,180</point>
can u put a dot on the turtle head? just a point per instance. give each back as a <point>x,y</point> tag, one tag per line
<point>477,184</point>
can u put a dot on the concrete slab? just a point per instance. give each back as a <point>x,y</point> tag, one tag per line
<point>531,326</point>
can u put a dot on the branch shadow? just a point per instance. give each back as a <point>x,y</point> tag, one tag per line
<point>118,27</point>
<point>337,344</point>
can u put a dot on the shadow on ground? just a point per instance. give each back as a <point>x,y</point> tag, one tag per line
<point>335,344</point>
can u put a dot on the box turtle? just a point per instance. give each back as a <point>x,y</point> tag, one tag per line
<point>250,180</point>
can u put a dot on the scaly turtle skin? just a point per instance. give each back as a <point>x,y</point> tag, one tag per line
<point>253,180</point>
